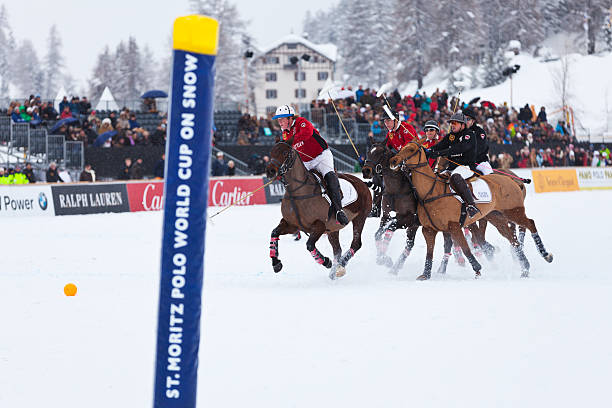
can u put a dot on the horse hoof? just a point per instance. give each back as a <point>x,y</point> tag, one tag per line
<point>461,262</point>
<point>277,265</point>
<point>525,274</point>
<point>327,263</point>
<point>337,272</point>
<point>394,270</point>
<point>548,258</point>
<point>423,277</point>
<point>477,275</point>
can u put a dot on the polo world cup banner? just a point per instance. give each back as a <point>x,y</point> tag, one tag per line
<point>226,191</point>
<point>90,199</point>
<point>25,200</point>
<point>274,192</point>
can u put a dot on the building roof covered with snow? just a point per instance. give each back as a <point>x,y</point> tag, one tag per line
<point>329,51</point>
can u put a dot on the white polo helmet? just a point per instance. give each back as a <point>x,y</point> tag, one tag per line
<point>284,111</point>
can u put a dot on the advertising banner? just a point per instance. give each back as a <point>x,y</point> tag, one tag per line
<point>25,200</point>
<point>274,192</point>
<point>146,196</point>
<point>555,180</point>
<point>226,191</point>
<point>594,178</point>
<point>75,199</point>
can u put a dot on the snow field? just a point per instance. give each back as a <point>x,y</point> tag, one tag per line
<point>297,339</point>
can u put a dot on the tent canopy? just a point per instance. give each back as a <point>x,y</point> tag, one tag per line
<point>107,102</point>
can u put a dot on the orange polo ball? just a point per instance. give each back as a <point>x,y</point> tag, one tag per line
<point>70,289</point>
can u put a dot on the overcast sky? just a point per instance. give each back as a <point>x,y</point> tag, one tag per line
<point>86,26</point>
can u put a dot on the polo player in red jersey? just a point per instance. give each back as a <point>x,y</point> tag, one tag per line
<point>314,152</point>
<point>398,133</point>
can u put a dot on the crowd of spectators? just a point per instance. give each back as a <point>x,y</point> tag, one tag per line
<point>78,122</point>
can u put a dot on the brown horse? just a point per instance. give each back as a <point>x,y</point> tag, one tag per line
<point>439,210</point>
<point>304,208</point>
<point>399,198</point>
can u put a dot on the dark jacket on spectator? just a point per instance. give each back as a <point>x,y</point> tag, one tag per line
<point>86,176</point>
<point>53,176</point>
<point>29,173</point>
<point>136,171</point>
<point>125,173</point>
<point>219,168</point>
<point>159,169</point>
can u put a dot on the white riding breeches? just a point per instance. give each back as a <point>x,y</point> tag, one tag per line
<point>463,171</point>
<point>485,168</point>
<point>323,163</point>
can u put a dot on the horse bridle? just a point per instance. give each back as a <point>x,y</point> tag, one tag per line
<point>287,164</point>
<point>419,164</point>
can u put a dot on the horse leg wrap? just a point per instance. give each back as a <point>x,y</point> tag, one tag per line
<point>475,264</point>
<point>383,244</point>
<point>458,254</point>
<point>274,247</point>
<point>346,257</point>
<point>521,236</point>
<point>539,244</point>
<point>427,271</point>
<point>320,259</point>
<point>520,255</point>
<point>444,263</point>
<point>477,251</point>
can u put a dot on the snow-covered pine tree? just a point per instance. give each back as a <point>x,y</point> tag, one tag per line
<point>367,50</point>
<point>321,26</point>
<point>229,75</point>
<point>120,74</point>
<point>103,74</point>
<point>411,33</point>
<point>584,15</point>
<point>607,31</point>
<point>147,66</point>
<point>7,51</point>
<point>28,78</point>
<point>53,63</point>
<point>135,77</point>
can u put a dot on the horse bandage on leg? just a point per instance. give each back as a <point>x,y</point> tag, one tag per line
<point>320,259</point>
<point>346,257</point>
<point>274,247</point>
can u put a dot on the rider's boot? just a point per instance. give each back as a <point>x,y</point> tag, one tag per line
<point>460,186</point>
<point>333,187</point>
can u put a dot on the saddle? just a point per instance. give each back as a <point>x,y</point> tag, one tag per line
<point>323,184</point>
<point>348,193</point>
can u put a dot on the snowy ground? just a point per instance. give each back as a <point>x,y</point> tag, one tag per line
<point>297,339</point>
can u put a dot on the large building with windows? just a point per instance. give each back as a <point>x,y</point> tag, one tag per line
<point>292,71</point>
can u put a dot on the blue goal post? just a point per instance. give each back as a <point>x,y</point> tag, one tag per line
<point>188,147</point>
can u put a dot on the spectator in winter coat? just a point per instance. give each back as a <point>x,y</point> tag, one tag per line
<point>158,172</point>
<point>29,173</point>
<point>66,113</point>
<point>136,170</point>
<point>542,115</point>
<point>53,175</point>
<point>231,168</point>
<point>64,103</point>
<point>87,175</point>
<point>124,174</point>
<point>219,168</point>
<point>376,128</point>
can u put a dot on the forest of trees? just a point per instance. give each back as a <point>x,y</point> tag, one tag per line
<point>402,40</point>
<point>378,41</point>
